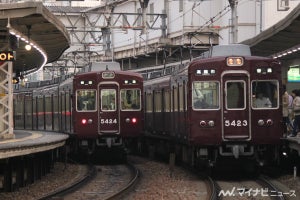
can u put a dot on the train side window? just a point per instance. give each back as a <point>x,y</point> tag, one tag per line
<point>265,94</point>
<point>175,96</point>
<point>157,101</point>
<point>108,100</point>
<point>167,101</point>
<point>181,98</point>
<point>130,99</point>
<point>86,100</point>
<point>205,95</point>
<point>149,101</point>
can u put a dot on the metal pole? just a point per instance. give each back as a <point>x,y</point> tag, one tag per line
<point>261,12</point>
<point>144,5</point>
<point>234,18</point>
<point>10,99</point>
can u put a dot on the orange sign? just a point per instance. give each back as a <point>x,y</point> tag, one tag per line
<point>7,56</point>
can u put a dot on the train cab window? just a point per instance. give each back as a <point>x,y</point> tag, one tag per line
<point>235,95</point>
<point>265,94</point>
<point>130,99</point>
<point>108,100</point>
<point>205,95</point>
<point>86,100</point>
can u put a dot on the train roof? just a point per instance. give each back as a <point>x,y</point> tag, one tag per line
<point>120,72</point>
<point>226,50</point>
<point>230,50</point>
<point>101,66</point>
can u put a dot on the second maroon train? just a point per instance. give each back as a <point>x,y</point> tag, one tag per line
<point>226,104</point>
<point>101,108</point>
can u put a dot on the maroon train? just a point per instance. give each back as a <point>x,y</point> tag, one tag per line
<point>99,108</point>
<point>224,105</point>
<point>108,107</point>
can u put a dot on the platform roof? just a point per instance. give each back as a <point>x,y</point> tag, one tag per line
<point>282,36</point>
<point>46,30</point>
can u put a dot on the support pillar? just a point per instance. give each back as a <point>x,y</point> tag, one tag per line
<point>6,101</point>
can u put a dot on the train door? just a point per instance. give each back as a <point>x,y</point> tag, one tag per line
<point>109,115</point>
<point>236,108</point>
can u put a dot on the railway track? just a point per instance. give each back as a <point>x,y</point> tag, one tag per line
<point>157,180</point>
<point>100,182</point>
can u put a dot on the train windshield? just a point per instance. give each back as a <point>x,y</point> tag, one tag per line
<point>130,99</point>
<point>86,100</point>
<point>108,99</point>
<point>235,95</point>
<point>265,94</point>
<point>205,95</point>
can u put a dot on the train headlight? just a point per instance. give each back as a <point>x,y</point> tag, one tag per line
<point>85,121</point>
<point>211,123</point>
<point>230,61</point>
<point>235,61</point>
<point>260,122</point>
<point>132,120</point>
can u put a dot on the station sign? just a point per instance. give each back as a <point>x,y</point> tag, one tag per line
<point>7,56</point>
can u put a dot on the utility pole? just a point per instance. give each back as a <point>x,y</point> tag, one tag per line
<point>234,19</point>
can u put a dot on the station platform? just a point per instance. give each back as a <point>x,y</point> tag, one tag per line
<point>29,142</point>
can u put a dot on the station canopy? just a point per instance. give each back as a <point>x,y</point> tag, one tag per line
<point>36,23</point>
<point>282,37</point>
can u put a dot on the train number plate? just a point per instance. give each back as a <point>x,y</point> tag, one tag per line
<point>108,121</point>
<point>236,123</point>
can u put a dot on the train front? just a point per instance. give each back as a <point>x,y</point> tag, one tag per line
<point>108,109</point>
<point>236,110</point>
